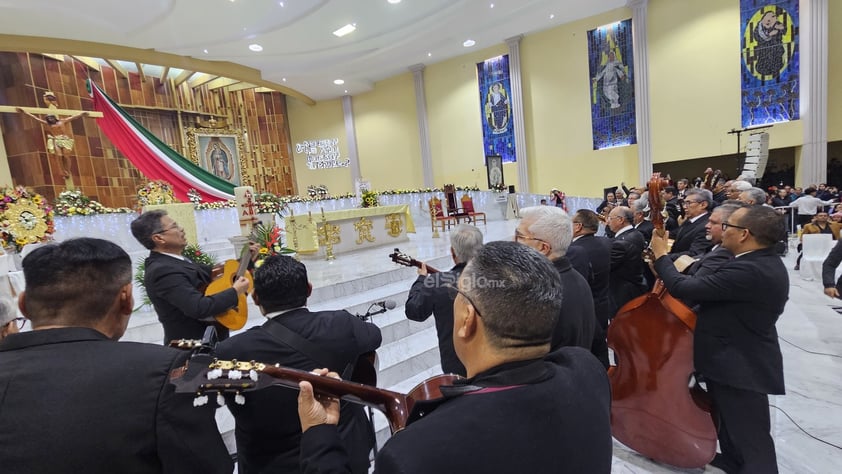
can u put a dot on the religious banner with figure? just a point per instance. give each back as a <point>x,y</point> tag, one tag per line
<point>611,66</point>
<point>495,88</point>
<point>770,76</point>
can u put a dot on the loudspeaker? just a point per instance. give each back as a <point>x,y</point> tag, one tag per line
<point>511,189</point>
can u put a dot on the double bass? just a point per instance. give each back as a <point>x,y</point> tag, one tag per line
<point>654,410</point>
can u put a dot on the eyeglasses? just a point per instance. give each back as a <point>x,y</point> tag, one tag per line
<point>164,231</point>
<point>519,237</point>
<point>726,225</point>
<point>456,290</point>
<point>687,202</point>
<point>19,321</point>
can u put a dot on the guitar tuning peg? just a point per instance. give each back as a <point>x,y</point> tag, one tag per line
<point>200,400</point>
<point>253,375</point>
<point>239,399</point>
<point>220,400</point>
<point>214,374</point>
<point>235,374</point>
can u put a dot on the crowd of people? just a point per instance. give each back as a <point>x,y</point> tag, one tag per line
<point>524,322</point>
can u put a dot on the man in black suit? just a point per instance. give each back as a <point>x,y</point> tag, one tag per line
<point>596,253</point>
<point>520,410</point>
<point>690,238</point>
<point>626,280</point>
<point>267,431</point>
<point>172,282</point>
<point>432,294</point>
<point>735,342</point>
<point>674,207</point>
<point>549,230</point>
<point>833,259</point>
<point>641,220</point>
<point>76,400</point>
<point>718,255</point>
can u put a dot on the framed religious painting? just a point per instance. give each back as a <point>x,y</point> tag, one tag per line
<point>494,168</point>
<point>220,152</point>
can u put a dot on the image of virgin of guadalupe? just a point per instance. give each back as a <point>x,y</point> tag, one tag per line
<point>497,108</point>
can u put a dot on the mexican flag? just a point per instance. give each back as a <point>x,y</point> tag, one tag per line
<point>154,158</point>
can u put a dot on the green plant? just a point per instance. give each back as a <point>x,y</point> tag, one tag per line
<point>192,252</point>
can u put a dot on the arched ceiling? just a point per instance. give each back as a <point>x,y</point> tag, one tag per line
<point>300,55</point>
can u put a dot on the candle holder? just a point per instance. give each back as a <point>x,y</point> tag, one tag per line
<point>325,236</point>
<point>433,215</point>
<point>294,235</point>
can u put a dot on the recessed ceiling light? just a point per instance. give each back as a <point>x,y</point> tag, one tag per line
<point>429,55</point>
<point>346,90</point>
<point>491,6</point>
<point>255,47</point>
<point>349,28</point>
<point>205,51</point>
<point>552,15</point>
<point>281,4</point>
<point>392,2</point>
<point>283,79</point>
<point>339,82</point>
<point>469,43</point>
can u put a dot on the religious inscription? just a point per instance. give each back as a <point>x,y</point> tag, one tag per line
<point>363,227</point>
<point>322,154</point>
<point>394,225</point>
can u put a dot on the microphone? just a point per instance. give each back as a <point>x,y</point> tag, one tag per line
<point>384,306</point>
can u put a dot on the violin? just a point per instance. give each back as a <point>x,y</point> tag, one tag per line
<point>203,375</point>
<point>403,259</point>
<point>652,409</point>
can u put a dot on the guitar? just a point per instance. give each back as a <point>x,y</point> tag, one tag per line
<point>232,270</point>
<point>203,374</point>
<point>403,259</point>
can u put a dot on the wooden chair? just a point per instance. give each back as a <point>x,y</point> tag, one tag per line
<point>437,215</point>
<point>468,208</point>
<point>453,208</point>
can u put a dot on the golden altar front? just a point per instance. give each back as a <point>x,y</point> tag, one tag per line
<point>348,230</point>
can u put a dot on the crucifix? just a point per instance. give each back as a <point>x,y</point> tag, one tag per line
<point>59,137</point>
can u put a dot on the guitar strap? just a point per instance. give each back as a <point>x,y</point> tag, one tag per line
<point>302,345</point>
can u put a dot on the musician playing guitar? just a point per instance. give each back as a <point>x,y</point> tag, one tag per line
<point>268,431</point>
<point>175,285</point>
<point>522,409</point>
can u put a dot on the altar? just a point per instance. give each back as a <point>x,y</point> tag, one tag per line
<point>348,230</point>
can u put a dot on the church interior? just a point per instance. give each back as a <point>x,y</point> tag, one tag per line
<point>184,102</point>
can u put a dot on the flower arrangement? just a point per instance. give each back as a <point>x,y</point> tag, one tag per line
<point>270,239</point>
<point>194,196</point>
<point>155,192</point>
<point>498,188</point>
<point>192,252</point>
<point>370,199</point>
<point>25,218</point>
<point>74,203</point>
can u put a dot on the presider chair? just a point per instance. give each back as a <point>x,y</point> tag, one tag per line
<point>468,208</point>
<point>437,215</point>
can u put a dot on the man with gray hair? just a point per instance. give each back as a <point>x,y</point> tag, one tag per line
<point>690,238</point>
<point>549,230</point>
<point>430,294</point>
<point>523,409</point>
<point>754,196</point>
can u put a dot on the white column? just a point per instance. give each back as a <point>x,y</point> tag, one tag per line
<point>423,126</point>
<point>517,109</point>
<point>351,138</point>
<point>641,89</point>
<point>813,39</point>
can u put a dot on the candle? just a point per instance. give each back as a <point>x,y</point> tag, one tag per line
<point>323,212</point>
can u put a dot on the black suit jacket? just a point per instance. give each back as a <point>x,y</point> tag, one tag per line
<point>429,295</point>
<point>626,280</point>
<point>576,320</point>
<point>597,251</point>
<point>268,431</point>
<point>690,239</point>
<point>173,285</point>
<point>71,400</point>
<point>537,416</point>
<point>708,263</point>
<point>833,259</point>
<point>735,341</point>
<point>646,228</point>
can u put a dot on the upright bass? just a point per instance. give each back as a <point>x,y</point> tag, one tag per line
<point>653,409</point>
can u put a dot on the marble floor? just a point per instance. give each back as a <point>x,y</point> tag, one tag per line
<point>805,422</point>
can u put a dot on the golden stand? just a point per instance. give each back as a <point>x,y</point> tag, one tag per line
<point>433,215</point>
<point>326,235</point>
<point>294,236</point>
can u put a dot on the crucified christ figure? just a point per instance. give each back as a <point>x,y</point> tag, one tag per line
<point>59,142</point>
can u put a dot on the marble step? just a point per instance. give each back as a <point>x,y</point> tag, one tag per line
<point>406,357</point>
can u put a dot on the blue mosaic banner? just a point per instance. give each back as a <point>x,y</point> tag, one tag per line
<point>611,66</point>
<point>495,89</point>
<point>770,57</point>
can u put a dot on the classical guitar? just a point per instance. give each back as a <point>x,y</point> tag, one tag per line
<point>403,259</point>
<point>205,375</point>
<point>232,270</point>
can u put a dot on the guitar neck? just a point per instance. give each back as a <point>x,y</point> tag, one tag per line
<point>245,258</point>
<point>394,405</point>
